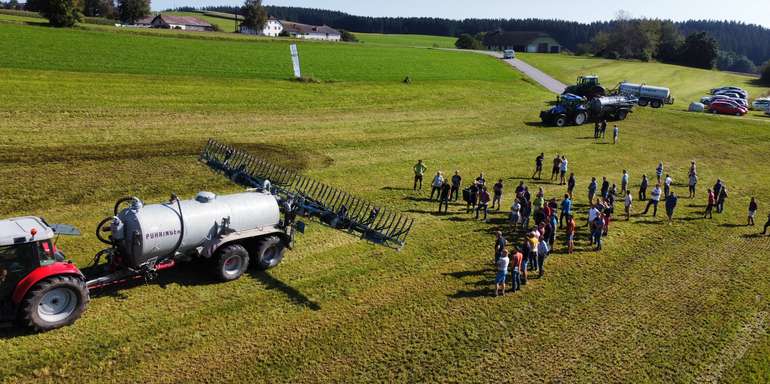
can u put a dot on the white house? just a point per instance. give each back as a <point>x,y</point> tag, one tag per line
<point>311,32</point>
<point>273,28</point>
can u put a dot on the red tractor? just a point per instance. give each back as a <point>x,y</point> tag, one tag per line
<point>38,287</point>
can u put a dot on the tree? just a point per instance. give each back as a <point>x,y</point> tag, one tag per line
<point>699,50</point>
<point>132,10</point>
<point>254,15</point>
<point>765,78</point>
<point>467,41</point>
<point>99,8</point>
<point>348,36</point>
<point>61,13</point>
<point>670,43</point>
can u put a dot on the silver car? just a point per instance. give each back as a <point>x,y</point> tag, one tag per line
<point>761,104</point>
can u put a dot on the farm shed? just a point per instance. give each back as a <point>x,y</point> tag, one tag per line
<point>533,42</point>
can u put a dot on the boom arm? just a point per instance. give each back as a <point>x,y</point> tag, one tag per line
<point>300,195</point>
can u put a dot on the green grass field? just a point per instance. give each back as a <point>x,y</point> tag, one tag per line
<point>686,84</point>
<point>407,40</point>
<point>83,127</point>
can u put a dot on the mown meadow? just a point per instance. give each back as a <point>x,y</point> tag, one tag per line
<point>89,116</point>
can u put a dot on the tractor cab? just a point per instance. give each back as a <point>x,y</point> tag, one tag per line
<point>36,285</point>
<point>588,81</point>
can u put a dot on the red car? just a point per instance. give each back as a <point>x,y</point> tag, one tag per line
<point>727,108</point>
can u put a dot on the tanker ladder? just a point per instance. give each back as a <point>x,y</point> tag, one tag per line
<point>301,195</point>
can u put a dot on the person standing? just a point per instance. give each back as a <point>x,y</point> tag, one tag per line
<point>571,228</point>
<point>671,201</point>
<point>767,225</point>
<point>624,182</point>
<point>597,129</point>
<point>556,167</point>
<point>667,185</point>
<point>473,197</point>
<point>563,170</point>
<point>438,181</point>
<point>566,209</point>
<point>419,171</point>
<point>533,239</point>
<point>753,206</point>
<point>456,183</point>
<point>603,128</point>
<point>598,230</point>
<point>659,171</point>
<point>520,189</point>
<point>481,181</point>
<point>571,184</point>
<point>500,244</point>
<point>553,223</point>
<point>516,261</point>
<point>502,272</point>
<point>540,198</point>
<point>592,190</point>
<point>721,199</point>
<point>712,201</point>
<point>593,212</point>
<point>498,194</point>
<point>693,170</point>
<point>627,205</point>
<point>615,134</point>
<point>526,212</point>
<point>483,203</point>
<point>515,212</point>
<point>643,188</point>
<point>605,187</point>
<point>444,196</point>
<point>692,182</point>
<point>655,199</point>
<point>539,166</point>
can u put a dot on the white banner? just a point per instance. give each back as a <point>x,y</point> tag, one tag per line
<point>295,60</point>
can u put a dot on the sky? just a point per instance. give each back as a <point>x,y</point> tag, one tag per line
<point>749,11</point>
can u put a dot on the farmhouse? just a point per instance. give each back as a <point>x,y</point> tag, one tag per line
<point>311,32</point>
<point>535,42</point>
<point>187,23</point>
<point>273,28</point>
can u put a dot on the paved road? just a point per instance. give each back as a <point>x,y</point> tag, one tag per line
<point>541,77</point>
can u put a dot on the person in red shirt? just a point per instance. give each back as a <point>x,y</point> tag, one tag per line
<point>571,234</point>
<point>712,201</point>
<point>516,262</point>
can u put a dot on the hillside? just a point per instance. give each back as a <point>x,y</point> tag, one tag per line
<point>686,84</point>
<point>91,115</point>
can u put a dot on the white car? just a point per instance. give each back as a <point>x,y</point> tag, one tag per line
<point>761,104</point>
<point>509,54</point>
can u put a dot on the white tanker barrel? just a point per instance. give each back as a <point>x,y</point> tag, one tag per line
<point>145,232</point>
<point>644,91</point>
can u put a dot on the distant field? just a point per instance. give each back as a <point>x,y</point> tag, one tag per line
<point>116,51</point>
<point>407,40</point>
<point>88,116</point>
<point>687,84</point>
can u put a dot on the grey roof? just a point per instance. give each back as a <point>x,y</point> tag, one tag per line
<point>292,27</point>
<point>14,229</point>
<point>523,38</point>
<point>183,20</point>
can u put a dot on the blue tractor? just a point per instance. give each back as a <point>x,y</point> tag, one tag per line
<point>577,110</point>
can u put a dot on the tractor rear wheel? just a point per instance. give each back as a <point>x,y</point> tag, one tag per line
<point>55,302</point>
<point>269,252</point>
<point>560,121</point>
<point>231,262</point>
<point>580,118</point>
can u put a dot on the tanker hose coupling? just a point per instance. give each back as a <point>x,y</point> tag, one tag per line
<point>135,203</point>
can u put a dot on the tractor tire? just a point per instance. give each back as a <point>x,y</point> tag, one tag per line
<point>622,115</point>
<point>55,302</point>
<point>643,102</point>
<point>560,121</point>
<point>656,104</point>
<point>231,262</point>
<point>580,118</point>
<point>269,253</point>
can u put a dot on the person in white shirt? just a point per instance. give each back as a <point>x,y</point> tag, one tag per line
<point>627,205</point>
<point>693,182</point>
<point>563,171</point>
<point>667,187</point>
<point>515,212</point>
<point>438,181</point>
<point>502,273</point>
<point>624,182</point>
<point>655,199</point>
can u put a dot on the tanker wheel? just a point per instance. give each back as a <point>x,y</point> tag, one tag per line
<point>231,262</point>
<point>560,121</point>
<point>55,302</point>
<point>622,115</point>
<point>656,104</point>
<point>580,118</point>
<point>643,103</point>
<point>269,252</point>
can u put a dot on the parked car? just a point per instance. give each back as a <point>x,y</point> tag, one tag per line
<point>761,104</point>
<point>737,90</point>
<point>509,54</point>
<point>732,94</point>
<point>710,99</point>
<point>727,108</point>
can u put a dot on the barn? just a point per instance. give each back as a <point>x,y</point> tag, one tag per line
<point>187,23</point>
<point>521,41</point>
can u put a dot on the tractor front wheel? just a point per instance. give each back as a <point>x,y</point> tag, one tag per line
<point>55,302</point>
<point>269,252</point>
<point>231,262</point>
<point>560,121</point>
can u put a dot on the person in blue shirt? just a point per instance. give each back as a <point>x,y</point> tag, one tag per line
<point>566,210</point>
<point>671,201</point>
<point>659,171</point>
<point>592,190</point>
